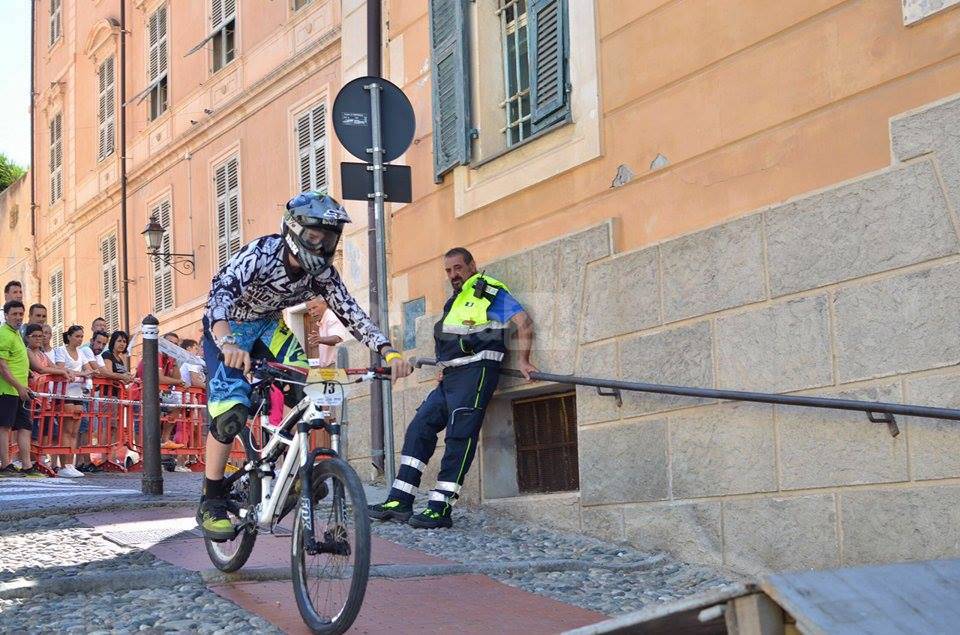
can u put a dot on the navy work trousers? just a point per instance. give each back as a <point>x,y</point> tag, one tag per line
<point>457,405</point>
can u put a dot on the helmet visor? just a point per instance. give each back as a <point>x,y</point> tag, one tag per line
<point>321,241</point>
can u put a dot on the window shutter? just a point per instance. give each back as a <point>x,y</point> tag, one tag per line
<point>320,148</point>
<point>106,109</point>
<point>451,81</point>
<point>547,42</point>
<point>110,286</point>
<point>56,158</point>
<point>56,303</point>
<point>163,298</point>
<point>229,234</point>
<point>311,133</point>
<point>233,207</point>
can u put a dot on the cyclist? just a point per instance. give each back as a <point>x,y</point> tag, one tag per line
<point>244,319</point>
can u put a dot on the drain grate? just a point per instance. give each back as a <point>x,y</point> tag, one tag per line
<point>163,531</point>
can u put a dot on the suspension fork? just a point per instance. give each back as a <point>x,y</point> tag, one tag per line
<point>307,459</point>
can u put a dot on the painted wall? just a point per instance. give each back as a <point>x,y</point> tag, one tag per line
<point>750,107</point>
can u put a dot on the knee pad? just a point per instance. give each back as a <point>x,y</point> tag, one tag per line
<point>225,427</point>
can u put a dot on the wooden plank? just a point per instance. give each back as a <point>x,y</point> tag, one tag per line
<point>754,614</point>
<point>912,597</point>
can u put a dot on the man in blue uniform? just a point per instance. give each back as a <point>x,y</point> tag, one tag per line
<point>471,341</point>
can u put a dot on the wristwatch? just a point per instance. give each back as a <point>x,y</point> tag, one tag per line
<point>223,340</point>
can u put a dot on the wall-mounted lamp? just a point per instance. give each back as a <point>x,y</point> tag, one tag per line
<point>153,234</point>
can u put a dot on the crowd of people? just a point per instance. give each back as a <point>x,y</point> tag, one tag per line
<point>27,352</point>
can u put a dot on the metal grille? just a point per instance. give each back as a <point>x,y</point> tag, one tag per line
<point>546,429</point>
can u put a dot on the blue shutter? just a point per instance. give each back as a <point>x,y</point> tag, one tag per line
<point>450,79</point>
<point>547,41</point>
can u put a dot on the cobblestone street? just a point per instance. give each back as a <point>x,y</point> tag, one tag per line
<point>105,559</point>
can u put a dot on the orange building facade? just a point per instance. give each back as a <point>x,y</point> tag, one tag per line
<point>687,192</point>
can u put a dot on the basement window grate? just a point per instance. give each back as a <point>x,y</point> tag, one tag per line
<point>546,435</point>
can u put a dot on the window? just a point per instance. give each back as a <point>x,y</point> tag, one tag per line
<point>110,287</point>
<point>163,272</point>
<point>56,304</point>
<point>105,114</point>
<point>546,435</point>
<point>311,132</point>
<point>224,20</point>
<point>299,4</point>
<point>223,34</point>
<point>55,26</point>
<point>527,57</point>
<point>157,62</point>
<point>56,158</point>
<point>516,69</point>
<point>227,184</point>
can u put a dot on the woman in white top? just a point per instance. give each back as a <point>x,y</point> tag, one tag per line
<point>72,359</point>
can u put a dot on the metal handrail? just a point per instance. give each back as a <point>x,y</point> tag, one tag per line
<point>877,411</point>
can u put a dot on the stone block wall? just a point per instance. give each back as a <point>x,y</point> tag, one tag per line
<point>850,292</point>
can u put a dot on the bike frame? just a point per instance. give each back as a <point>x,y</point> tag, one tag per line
<point>297,457</point>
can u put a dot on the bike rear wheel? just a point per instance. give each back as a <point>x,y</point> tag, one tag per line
<point>329,586</point>
<point>230,555</point>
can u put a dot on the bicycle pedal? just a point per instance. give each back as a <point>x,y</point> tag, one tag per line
<point>280,532</point>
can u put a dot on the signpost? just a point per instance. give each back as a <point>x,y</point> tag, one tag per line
<point>374,121</point>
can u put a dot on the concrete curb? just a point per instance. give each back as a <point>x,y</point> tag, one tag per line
<point>96,583</point>
<point>400,571</point>
<point>90,508</point>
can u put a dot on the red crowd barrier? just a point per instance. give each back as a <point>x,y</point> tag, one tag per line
<point>113,415</point>
<point>59,417</point>
<point>183,429</point>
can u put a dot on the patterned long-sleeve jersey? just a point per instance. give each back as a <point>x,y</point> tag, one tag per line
<point>256,283</point>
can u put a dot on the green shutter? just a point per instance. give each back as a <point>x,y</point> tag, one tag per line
<point>451,81</point>
<point>547,41</point>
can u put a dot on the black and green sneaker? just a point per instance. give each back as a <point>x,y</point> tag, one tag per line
<point>10,471</point>
<point>214,521</point>
<point>32,472</point>
<point>431,519</point>
<point>391,510</point>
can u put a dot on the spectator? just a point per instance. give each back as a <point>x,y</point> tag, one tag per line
<point>15,397</point>
<point>192,374</point>
<point>13,290</point>
<point>169,376</point>
<point>330,332</point>
<point>71,358</point>
<point>36,314</point>
<point>99,325</point>
<point>116,355</point>
<point>47,345</point>
<point>93,349</point>
<point>41,363</point>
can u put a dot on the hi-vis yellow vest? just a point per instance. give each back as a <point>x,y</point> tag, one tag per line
<point>466,334</point>
<point>468,313</point>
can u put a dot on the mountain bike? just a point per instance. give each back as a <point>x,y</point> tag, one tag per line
<point>330,549</point>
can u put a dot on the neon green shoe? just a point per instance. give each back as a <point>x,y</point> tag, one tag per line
<point>431,519</point>
<point>391,510</point>
<point>214,521</point>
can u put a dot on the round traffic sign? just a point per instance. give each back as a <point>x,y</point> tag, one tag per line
<point>353,120</point>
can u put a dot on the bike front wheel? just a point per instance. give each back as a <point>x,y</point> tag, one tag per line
<point>329,585</point>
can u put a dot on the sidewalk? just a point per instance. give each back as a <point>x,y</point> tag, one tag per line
<point>118,564</point>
